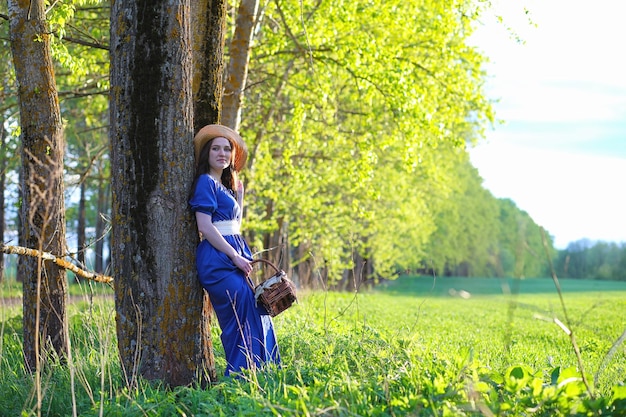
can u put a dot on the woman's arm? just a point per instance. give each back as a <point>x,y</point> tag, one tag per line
<point>210,233</point>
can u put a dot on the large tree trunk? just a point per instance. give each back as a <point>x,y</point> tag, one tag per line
<point>237,73</point>
<point>158,297</point>
<point>43,208</point>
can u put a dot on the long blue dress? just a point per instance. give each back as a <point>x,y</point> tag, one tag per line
<point>247,331</point>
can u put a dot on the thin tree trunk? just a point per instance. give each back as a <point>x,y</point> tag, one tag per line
<point>3,176</point>
<point>157,294</point>
<point>81,238</point>
<point>303,269</point>
<point>209,28</point>
<point>43,208</point>
<point>102,205</point>
<point>237,73</point>
<point>20,222</point>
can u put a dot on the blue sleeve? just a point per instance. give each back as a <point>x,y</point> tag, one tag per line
<point>204,197</point>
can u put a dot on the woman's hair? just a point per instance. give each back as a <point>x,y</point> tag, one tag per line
<point>229,176</point>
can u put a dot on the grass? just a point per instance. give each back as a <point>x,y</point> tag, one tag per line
<point>415,346</point>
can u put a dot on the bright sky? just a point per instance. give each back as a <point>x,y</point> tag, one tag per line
<point>561,152</point>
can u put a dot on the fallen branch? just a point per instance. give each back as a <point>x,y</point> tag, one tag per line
<point>46,256</point>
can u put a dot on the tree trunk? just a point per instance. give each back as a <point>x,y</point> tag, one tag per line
<point>237,73</point>
<point>3,176</point>
<point>304,270</point>
<point>157,294</point>
<point>103,204</point>
<point>209,28</point>
<point>43,207</point>
<point>81,238</point>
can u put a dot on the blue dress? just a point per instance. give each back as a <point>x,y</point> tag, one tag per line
<point>247,331</point>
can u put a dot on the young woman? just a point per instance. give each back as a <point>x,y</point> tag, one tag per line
<point>223,256</point>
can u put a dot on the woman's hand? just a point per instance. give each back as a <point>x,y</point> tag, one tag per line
<point>210,233</point>
<point>242,263</point>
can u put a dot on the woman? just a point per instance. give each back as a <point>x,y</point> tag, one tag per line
<point>223,256</point>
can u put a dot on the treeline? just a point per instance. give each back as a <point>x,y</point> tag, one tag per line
<point>586,259</point>
<point>478,235</point>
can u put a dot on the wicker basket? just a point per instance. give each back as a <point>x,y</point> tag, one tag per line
<point>277,293</point>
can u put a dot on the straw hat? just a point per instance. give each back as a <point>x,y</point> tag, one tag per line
<point>240,150</point>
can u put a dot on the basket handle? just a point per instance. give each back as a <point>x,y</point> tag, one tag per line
<point>266,262</point>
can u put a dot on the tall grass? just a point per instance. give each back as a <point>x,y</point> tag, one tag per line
<point>458,347</point>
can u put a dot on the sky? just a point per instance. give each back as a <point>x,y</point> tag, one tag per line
<point>558,73</point>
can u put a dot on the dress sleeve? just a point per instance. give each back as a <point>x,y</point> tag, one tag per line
<point>204,197</point>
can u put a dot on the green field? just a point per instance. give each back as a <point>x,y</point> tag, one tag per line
<point>415,346</point>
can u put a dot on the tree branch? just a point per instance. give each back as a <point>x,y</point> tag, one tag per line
<point>72,40</point>
<point>86,43</point>
<point>46,256</point>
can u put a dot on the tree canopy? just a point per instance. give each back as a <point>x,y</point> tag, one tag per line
<point>370,106</point>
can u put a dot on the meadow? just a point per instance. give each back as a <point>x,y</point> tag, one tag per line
<point>416,346</point>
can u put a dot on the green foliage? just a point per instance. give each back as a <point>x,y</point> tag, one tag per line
<point>369,104</point>
<point>479,235</point>
<point>521,252</point>
<point>466,236</point>
<point>585,259</point>
<point>411,349</point>
<point>85,24</point>
<point>81,52</point>
<point>80,30</point>
<point>9,129</point>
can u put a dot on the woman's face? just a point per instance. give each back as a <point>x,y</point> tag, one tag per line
<point>220,154</point>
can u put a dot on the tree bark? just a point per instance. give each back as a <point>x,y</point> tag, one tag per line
<point>237,73</point>
<point>3,176</point>
<point>209,28</point>
<point>43,207</point>
<point>81,238</point>
<point>103,204</point>
<point>157,294</point>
